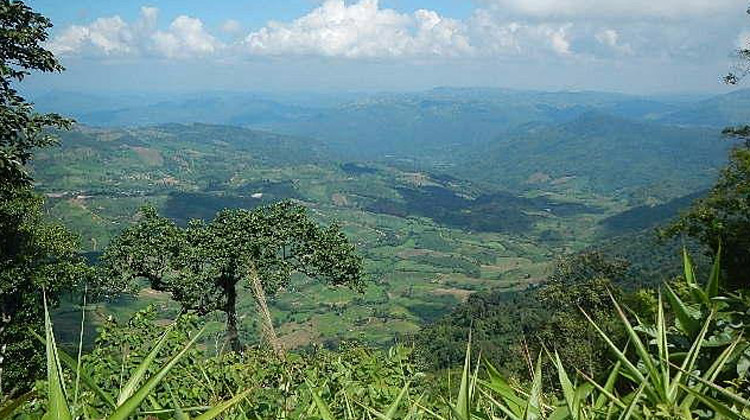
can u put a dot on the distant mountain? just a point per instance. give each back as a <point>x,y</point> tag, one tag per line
<point>600,153</point>
<point>365,125</point>
<point>719,111</point>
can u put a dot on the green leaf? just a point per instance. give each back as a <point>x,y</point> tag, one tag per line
<point>71,364</point>
<point>129,406</point>
<point>499,385</point>
<point>534,405</point>
<point>631,368</point>
<point>642,352</point>
<point>323,409</point>
<point>131,385</point>
<point>462,409</point>
<point>630,410</point>
<point>687,265</point>
<point>569,392</point>
<point>712,288</point>
<point>7,409</point>
<point>391,413</point>
<point>609,386</point>
<point>221,408</point>
<point>718,407</point>
<point>57,405</point>
<point>684,314</point>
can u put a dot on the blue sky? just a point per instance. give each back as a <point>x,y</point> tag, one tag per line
<point>638,46</point>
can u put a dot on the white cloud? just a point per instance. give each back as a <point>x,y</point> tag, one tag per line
<point>186,37</point>
<point>611,38</point>
<point>362,29</point>
<point>231,26</point>
<point>497,37</point>
<point>618,9</point>
<point>112,36</point>
<point>109,36</point>
<point>356,29</point>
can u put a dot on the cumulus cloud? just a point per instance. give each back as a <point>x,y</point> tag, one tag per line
<point>362,29</point>
<point>611,38</point>
<point>186,37</point>
<point>110,36</point>
<point>114,37</point>
<point>497,37</point>
<point>618,9</point>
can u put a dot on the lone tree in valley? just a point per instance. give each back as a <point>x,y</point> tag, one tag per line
<point>202,264</point>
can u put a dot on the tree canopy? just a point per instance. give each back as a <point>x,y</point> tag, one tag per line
<point>34,254</point>
<point>202,263</point>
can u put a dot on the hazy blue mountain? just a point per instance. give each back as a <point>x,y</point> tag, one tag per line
<point>719,111</point>
<point>603,154</point>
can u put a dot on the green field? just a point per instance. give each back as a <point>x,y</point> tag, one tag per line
<point>429,240</point>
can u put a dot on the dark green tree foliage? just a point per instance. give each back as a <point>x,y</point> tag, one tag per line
<point>723,217</point>
<point>508,326</point>
<point>22,34</point>
<point>202,264</point>
<point>581,283</point>
<point>34,254</point>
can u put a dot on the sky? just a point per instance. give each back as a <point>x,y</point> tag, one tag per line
<point>631,46</point>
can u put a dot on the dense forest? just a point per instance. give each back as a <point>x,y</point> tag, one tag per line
<point>590,261</point>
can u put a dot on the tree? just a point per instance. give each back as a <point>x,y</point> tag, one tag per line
<point>510,326</point>
<point>34,254</point>
<point>22,36</point>
<point>583,282</point>
<point>721,220</point>
<point>202,264</point>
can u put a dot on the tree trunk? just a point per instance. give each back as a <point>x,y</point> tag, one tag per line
<point>233,336</point>
<point>267,330</point>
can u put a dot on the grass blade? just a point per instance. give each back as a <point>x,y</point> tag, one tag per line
<point>221,408</point>
<point>135,379</point>
<point>712,288</point>
<point>714,405</point>
<point>569,393</point>
<point>129,406</point>
<point>57,404</point>
<point>71,363</point>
